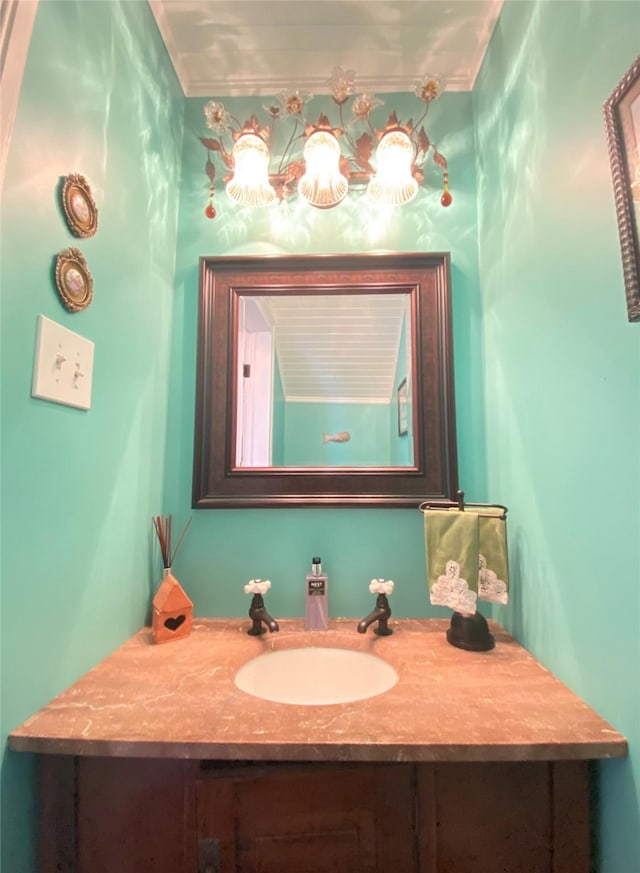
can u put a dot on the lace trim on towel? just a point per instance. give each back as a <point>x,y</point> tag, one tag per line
<point>489,586</point>
<point>453,591</point>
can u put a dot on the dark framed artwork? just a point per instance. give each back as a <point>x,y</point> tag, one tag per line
<point>622,121</point>
<point>403,409</point>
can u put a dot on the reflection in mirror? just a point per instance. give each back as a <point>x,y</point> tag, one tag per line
<point>320,378</point>
<point>324,380</point>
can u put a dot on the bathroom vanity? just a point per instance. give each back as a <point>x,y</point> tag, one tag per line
<point>472,762</point>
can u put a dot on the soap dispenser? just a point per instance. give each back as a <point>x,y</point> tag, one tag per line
<point>316,609</point>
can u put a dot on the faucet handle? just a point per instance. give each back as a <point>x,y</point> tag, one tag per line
<point>257,586</point>
<point>381,586</point>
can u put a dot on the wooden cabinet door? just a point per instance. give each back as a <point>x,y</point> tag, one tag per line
<point>310,819</point>
<point>116,815</point>
<point>511,817</point>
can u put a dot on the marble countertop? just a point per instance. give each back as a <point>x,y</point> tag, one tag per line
<point>179,700</point>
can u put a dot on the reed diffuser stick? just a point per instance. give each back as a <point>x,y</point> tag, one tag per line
<point>162,525</point>
<point>180,538</point>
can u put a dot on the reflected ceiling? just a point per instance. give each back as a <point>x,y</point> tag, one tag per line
<point>337,348</point>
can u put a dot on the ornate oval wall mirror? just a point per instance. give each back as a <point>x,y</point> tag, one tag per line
<point>324,380</point>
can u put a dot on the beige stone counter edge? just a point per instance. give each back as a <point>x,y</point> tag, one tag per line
<point>313,752</point>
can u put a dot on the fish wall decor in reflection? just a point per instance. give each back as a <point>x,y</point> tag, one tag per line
<point>343,437</point>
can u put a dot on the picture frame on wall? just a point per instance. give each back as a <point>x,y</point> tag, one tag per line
<point>622,122</point>
<point>73,280</point>
<point>79,206</point>
<point>403,409</point>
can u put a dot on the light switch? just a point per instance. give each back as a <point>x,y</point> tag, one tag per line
<point>63,366</point>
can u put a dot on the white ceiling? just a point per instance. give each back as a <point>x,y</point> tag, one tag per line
<point>260,47</point>
<point>340,347</point>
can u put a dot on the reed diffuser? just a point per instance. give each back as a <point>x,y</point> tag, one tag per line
<point>162,524</point>
<point>172,610</point>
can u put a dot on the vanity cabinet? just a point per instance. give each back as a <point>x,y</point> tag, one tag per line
<point>114,815</point>
<point>156,762</point>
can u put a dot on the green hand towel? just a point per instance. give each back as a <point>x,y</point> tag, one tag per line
<point>452,546</point>
<point>466,557</point>
<point>493,578</point>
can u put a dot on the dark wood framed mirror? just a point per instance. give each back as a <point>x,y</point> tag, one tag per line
<point>303,363</point>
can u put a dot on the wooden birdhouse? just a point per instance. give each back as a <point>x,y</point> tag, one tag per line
<point>172,611</point>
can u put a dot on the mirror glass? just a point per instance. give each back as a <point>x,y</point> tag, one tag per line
<point>324,380</point>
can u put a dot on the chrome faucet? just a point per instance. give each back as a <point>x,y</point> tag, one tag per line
<point>257,611</point>
<point>382,611</point>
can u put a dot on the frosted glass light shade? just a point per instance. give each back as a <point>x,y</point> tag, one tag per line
<point>250,183</point>
<point>322,184</point>
<point>393,184</point>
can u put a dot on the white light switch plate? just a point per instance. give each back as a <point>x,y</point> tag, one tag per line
<point>63,366</point>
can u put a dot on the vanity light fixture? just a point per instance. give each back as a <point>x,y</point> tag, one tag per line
<point>319,161</point>
<point>250,184</point>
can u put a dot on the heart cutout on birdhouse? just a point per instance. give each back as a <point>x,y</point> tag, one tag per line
<point>174,623</point>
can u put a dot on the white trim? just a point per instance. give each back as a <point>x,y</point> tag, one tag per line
<point>16,25</point>
<point>268,86</point>
<point>158,10</point>
<point>369,401</point>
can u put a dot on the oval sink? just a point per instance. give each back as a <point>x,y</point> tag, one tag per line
<point>313,676</point>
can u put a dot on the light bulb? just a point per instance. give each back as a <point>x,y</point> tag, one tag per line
<point>393,184</point>
<point>250,183</point>
<point>322,184</point>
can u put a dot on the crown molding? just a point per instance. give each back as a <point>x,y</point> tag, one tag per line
<point>249,86</point>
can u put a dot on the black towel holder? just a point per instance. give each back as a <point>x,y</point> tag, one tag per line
<point>468,632</point>
<point>461,505</point>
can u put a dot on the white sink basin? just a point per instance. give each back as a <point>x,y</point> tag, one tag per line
<point>313,676</point>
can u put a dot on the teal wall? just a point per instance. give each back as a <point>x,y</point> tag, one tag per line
<point>562,366</point>
<point>225,548</point>
<point>99,97</point>
<point>367,424</point>
<point>539,327</point>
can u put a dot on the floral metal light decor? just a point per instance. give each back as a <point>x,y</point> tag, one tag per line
<point>622,121</point>
<point>322,161</point>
